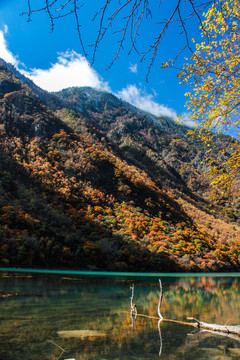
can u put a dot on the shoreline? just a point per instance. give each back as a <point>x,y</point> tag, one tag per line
<point>115,274</point>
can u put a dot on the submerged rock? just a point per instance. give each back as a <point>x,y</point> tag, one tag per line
<point>80,333</point>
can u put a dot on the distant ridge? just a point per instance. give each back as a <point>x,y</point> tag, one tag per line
<point>56,100</point>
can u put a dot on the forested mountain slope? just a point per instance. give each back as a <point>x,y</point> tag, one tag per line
<point>95,183</point>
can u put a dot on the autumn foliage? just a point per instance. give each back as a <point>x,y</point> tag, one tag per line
<point>81,197</point>
<point>213,72</point>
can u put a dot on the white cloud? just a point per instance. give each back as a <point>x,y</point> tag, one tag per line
<point>71,69</point>
<point>133,68</point>
<point>5,29</point>
<point>187,121</point>
<point>5,54</point>
<point>143,101</point>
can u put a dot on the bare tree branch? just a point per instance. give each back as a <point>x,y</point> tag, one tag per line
<point>29,11</point>
<point>126,20</point>
<point>64,5</point>
<point>49,15</point>
<point>78,26</point>
<point>184,29</point>
<point>160,35</point>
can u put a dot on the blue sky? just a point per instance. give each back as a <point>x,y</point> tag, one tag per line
<point>54,60</point>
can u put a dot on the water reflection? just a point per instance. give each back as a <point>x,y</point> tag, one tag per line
<point>225,295</point>
<point>133,312</point>
<point>133,307</point>
<point>109,326</point>
<point>160,337</point>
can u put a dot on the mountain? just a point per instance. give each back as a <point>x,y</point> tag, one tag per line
<point>86,99</point>
<point>88,181</point>
<point>158,146</point>
<point>47,98</point>
<point>22,113</point>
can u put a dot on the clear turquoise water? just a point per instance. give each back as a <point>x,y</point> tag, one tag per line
<point>57,301</point>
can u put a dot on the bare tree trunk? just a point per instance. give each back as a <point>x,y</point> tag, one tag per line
<point>133,308</point>
<point>160,300</point>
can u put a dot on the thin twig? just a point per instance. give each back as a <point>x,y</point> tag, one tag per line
<point>29,11</point>
<point>78,26</point>
<point>56,345</point>
<point>156,44</point>
<point>184,29</point>
<point>64,5</point>
<point>50,15</point>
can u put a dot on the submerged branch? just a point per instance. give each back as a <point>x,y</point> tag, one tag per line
<point>63,350</point>
<point>232,331</point>
<point>228,329</point>
<point>4,295</point>
<point>213,328</point>
<point>231,336</point>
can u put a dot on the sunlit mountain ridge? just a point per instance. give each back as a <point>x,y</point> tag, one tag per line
<point>88,181</point>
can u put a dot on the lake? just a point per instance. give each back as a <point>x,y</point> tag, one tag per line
<point>78,316</point>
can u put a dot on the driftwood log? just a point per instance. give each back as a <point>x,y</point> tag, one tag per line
<point>227,329</point>
<point>232,331</point>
